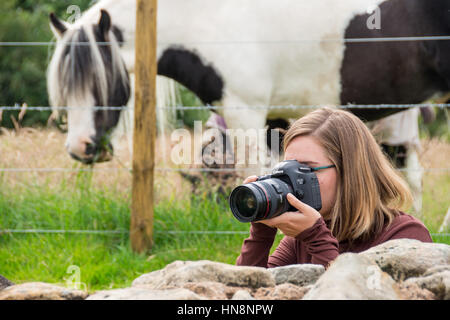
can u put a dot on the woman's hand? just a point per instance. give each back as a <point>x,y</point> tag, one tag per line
<point>293,223</point>
<point>250,179</point>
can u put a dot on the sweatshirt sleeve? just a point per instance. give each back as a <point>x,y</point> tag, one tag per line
<point>320,243</point>
<point>255,250</point>
<point>285,254</point>
<point>318,240</point>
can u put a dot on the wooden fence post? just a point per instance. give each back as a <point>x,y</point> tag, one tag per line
<point>141,228</point>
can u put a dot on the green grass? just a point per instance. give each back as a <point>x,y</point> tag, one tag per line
<point>436,200</point>
<point>106,261</point>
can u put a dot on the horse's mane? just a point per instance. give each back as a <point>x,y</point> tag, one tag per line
<point>82,67</point>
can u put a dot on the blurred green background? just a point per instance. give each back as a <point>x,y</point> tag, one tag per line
<point>23,69</point>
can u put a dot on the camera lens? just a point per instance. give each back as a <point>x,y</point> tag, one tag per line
<point>248,202</point>
<point>259,200</point>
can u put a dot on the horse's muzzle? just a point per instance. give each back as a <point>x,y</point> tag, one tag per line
<point>95,154</point>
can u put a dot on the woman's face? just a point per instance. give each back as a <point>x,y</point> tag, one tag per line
<point>307,150</point>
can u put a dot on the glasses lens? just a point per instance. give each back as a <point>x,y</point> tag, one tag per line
<point>246,202</point>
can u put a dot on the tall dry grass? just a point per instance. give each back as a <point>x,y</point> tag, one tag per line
<point>31,148</point>
<point>44,149</point>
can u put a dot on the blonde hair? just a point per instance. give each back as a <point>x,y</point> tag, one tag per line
<point>370,192</point>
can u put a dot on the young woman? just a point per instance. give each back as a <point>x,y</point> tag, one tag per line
<point>362,197</point>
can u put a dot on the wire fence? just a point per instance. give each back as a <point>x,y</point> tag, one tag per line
<point>125,232</point>
<point>234,42</point>
<point>206,170</point>
<point>217,108</point>
<point>115,232</point>
<point>209,108</point>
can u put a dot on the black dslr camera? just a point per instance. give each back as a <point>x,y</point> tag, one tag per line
<point>266,198</point>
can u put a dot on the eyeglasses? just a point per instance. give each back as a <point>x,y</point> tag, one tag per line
<point>324,167</point>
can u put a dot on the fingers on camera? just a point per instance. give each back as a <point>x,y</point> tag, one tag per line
<point>251,179</point>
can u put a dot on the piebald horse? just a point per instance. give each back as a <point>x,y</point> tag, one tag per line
<point>245,56</point>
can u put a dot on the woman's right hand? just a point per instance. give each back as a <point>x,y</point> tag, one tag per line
<point>250,179</point>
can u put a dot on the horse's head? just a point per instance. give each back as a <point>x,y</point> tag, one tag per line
<point>87,72</point>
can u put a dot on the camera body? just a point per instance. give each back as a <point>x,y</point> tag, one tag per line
<point>266,198</point>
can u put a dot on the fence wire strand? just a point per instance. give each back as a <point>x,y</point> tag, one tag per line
<point>232,42</point>
<point>207,170</point>
<point>215,108</point>
<point>172,232</point>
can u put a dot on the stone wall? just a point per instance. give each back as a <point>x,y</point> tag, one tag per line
<point>397,269</point>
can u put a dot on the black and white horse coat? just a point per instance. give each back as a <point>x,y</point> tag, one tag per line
<point>259,53</point>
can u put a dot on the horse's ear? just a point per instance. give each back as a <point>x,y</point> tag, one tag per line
<point>105,22</point>
<point>58,27</point>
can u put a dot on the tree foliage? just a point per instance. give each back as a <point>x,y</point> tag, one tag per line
<point>23,68</point>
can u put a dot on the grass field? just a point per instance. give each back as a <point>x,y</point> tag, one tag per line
<point>106,260</point>
<point>101,201</point>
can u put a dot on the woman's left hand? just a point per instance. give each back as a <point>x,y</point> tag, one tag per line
<point>293,223</point>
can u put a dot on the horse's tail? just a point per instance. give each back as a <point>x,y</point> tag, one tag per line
<point>167,98</point>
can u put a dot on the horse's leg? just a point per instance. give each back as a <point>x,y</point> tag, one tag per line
<point>246,126</point>
<point>278,127</point>
<point>445,226</point>
<point>414,169</point>
<point>414,175</point>
<point>216,153</point>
